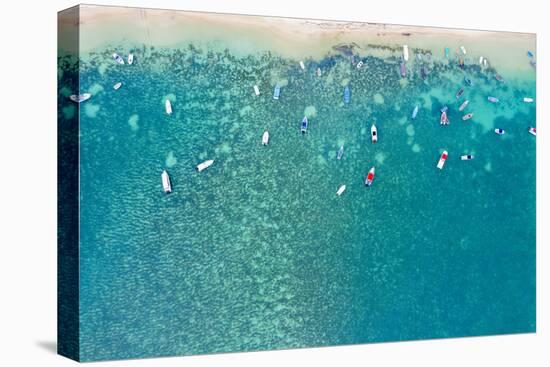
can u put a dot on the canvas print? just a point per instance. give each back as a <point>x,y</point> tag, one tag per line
<point>241,183</point>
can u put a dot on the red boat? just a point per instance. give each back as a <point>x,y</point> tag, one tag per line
<point>370,177</point>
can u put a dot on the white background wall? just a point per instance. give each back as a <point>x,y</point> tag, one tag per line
<point>28,182</point>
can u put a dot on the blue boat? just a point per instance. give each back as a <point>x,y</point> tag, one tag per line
<point>303,128</point>
<point>468,81</point>
<point>415,112</point>
<point>346,95</point>
<point>277,91</point>
<point>530,54</point>
<point>446,52</point>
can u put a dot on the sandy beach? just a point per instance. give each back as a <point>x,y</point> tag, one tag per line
<point>291,37</point>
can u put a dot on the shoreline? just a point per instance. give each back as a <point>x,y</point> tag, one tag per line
<point>292,37</point>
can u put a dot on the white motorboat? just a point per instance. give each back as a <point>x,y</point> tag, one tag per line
<point>442,159</point>
<point>406,53</point>
<point>369,177</point>
<point>341,190</point>
<point>373,133</point>
<point>463,105</point>
<point>303,126</point>
<point>415,112</point>
<point>467,116</point>
<point>359,64</point>
<point>256,90</point>
<point>466,157</point>
<point>168,107</point>
<point>117,86</point>
<point>528,100</point>
<point>80,97</point>
<point>319,73</point>
<point>499,131</point>
<point>492,99</point>
<point>166,184</point>
<point>302,66</point>
<point>533,131</point>
<point>265,138</point>
<point>340,153</point>
<point>118,58</point>
<point>463,49</point>
<point>130,59</point>
<point>204,165</point>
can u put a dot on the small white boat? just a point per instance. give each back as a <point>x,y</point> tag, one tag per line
<point>168,107</point>
<point>303,126</point>
<point>480,60</point>
<point>340,153</point>
<point>406,53</point>
<point>204,165</point>
<point>80,97</point>
<point>528,100</point>
<point>463,105</point>
<point>499,131</point>
<point>533,131</point>
<point>359,64</point>
<point>492,99</point>
<point>319,72</point>
<point>130,59</point>
<point>277,91</point>
<point>166,185</point>
<point>442,159</point>
<point>265,138</point>
<point>118,58</point>
<point>467,116</point>
<point>466,157</point>
<point>341,190</point>
<point>485,62</point>
<point>117,86</point>
<point>373,133</point>
<point>302,66</point>
<point>369,177</point>
<point>256,90</point>
<point>463,49</point>
<point>415,112</point>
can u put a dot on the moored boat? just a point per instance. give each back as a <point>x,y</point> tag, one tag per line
<point>444,120</point>
<point>405,52</point>
<point>117,86</point>
<point>442,159</point>
<point>256,90</point>
<point>303,126</point>
<point>340,153</point>
<point>499,78</point>
<point>463,105</point>
<point>415,112</point>
<point>360,64</point>
<point>166,184</point>
<point>466,157</point>
<point>492,99</point>
<point>319,72</point>
<point>276,91</point>
<point>499,131</point>
<point>341,190</point>
<point>533,131</point>
<point>468,81</point>
<point>118,58</point>
<point>204,165</point>
<point>302,66</point>
<point>346,94</point>
<point>530,54</point>
<point>463,49</point>
<point>369,177</point>
<point>130,59</point>
<point>528,100</point>
<point>168,106</point>
<point>403,69</point>
<point>467,116</point>
<point>459,93</point>
<point>265,138</point>
<point>373,133</point>
<point>80,97</point>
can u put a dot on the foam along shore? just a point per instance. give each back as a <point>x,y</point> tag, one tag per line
<point>290,37</point>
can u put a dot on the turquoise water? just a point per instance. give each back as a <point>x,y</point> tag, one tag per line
<point>257,252</point>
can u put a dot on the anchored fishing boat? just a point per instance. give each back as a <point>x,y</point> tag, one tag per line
<point>130,59</point>
<point>403,69</point>
<point>369,177</point>
<point>118,58</point>
<point>444,120</point>
<point>166,184</point>
<point>480,60</point>
<point>442,159</point>
<point>360,64</point>
<point>276,91</point>
<point>499,131</point>
<point>265,138</point>
<point>467,116</point>
<point>415,112</point>
<point>373,134</point>
<point>467,157</point>
<point>168,107</point>
<point>463,105</point>
<point>492,99</point>
<point>341,190</point>
<point>204,165</point>
<point>528,100</point>
<point>256,90</point>
<point>340,152</point>
<point>302,66</point>
<point>463,49</point>
<point>468,81</point>
<point>533,131</point>
<point>346,94</point>
<point>459,93</point>
<point>318,71</point>
<point>405,52</point>
<point>80,97</point>
<point>117,86</point>
<point>303,127</point>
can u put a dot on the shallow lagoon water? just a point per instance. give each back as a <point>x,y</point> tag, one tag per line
<point>257,251</point>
